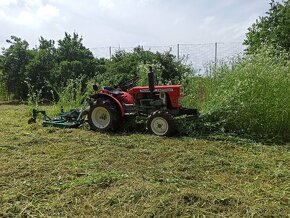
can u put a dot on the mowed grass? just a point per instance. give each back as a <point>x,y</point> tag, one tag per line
<point>50,172</point>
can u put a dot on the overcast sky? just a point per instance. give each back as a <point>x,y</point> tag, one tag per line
<point>130,22</point>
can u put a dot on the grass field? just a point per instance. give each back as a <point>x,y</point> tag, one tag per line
<point>49,172</point>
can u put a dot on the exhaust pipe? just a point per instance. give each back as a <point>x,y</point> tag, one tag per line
<point>151,79</point>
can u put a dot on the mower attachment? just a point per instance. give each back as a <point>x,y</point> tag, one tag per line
<point>71,119</point>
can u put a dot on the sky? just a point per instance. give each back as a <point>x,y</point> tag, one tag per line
<point>104,23</point>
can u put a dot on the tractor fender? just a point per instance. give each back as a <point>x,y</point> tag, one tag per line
<point>112,98</point>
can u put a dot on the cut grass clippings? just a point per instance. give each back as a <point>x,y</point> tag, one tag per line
<point>50,172</point>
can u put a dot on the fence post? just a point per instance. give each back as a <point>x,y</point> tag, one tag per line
<point>215,54</point>
<point>110,52</point>
<point>178,51</point>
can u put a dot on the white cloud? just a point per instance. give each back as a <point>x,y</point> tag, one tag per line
<point>32,18</point>
<point>25,18</point>
<point>208,20</point>
<point>104,4</point>
<point>179,20</point>
<point>33,3</point>
<point>47,12</point>
<point>7,2</point>
<point>129,22</point>
<point>146,1</point>
<point>227,3</point>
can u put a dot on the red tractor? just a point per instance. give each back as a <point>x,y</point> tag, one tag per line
<point>160,104</point>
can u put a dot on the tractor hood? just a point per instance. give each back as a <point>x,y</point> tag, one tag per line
<point>164,88</point>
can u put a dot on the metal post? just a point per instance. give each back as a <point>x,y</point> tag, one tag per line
<point>110,52</point>
<point>177,51</point>
<point>215,54</point>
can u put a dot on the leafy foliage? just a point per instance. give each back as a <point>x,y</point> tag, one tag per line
<point>272,29</point>
<point>40,69</point>
<point>73,59</point>
<point>13,66</point>
<point>124,66</point>
<point>45,69</point>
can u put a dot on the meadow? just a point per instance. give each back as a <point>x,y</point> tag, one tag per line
<point>50,172</point>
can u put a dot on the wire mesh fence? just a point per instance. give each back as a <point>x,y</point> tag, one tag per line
<point>196,55</point>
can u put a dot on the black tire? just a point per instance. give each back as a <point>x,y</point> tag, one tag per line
<point>161,123</point>
<point>103,115</point>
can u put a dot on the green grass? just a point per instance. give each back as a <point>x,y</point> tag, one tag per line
<point>50,172</point>
<point>249,97</point>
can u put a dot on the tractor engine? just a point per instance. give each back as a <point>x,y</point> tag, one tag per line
<point>165,97</point>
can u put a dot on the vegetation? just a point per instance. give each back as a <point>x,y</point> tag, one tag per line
<point>241,97</point>
<point>49,172</point>
<point>271,30</point>
<point>45,69</point>
<point>251,97</point>
<point>48,69</point>
<point>13,63</point>
<point>124,66</point>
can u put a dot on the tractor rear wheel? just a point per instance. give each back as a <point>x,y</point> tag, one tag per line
<point>103,115</point>
<point>161,123</point>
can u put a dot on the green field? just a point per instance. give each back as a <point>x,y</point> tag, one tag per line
<point>49,172</point>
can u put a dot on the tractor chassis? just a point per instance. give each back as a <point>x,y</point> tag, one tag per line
<point>147,110</point>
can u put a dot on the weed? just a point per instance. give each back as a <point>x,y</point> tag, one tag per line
<point>250,97</point>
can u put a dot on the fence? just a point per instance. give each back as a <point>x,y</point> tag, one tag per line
<point>196,55</point>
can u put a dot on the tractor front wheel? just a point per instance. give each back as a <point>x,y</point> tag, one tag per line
<point>103,116</point>
<point>161,123</point>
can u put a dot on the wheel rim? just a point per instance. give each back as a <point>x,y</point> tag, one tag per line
<point>159,126</point>
<point>101,117</point>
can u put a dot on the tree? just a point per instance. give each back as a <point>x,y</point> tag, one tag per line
<point>13,65</point>
<point>3,91</point>
<point>126,65</point>
<point>272,29</point>
<point>40,68</point>
<point>73,59</point>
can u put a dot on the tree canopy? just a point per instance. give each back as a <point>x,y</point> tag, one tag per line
<point>47,68</point>
<point>13,66</point>
<point>271,30</point>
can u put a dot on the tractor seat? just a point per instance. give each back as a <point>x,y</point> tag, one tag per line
<point>113,91</point>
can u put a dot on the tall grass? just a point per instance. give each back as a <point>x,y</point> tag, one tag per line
<point>73,94</point>
<point>252,96</point>
<point>34,96</point>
